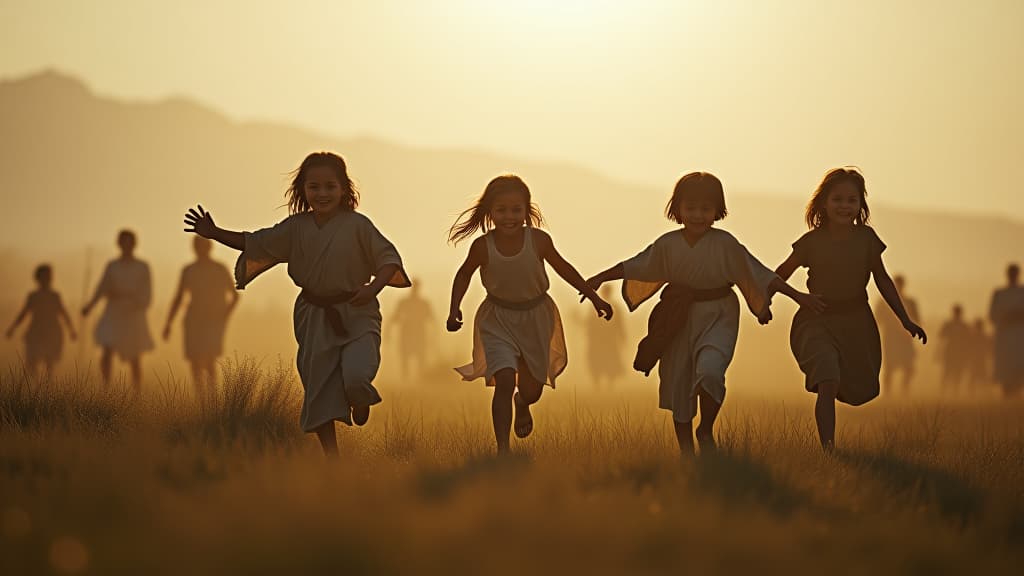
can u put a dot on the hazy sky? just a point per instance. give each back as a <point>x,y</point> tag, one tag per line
<point>925,96</point>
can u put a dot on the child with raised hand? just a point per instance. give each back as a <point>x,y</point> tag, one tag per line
<point>341,262</point>
<point>44,338</point>
<point>839,350</point>
<point>692,331</point>
<point>518,341</point>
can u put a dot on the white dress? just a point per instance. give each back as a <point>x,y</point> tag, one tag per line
<point>700,353</point>
<point>518,325</point>
<point>123,327</point>
<point>337,371</point>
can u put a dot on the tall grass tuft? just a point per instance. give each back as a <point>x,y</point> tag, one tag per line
<point>69,403</point>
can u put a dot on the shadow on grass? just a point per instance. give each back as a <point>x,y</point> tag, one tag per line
<point>738,479</point>
<point>440,484</point>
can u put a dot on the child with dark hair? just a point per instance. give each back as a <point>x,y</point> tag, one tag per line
<point>341,262</point>
<point>693,329</point>
<point>839,350</point>
<point>44,338</point>
<point>123,328</point>
<point>518,340</point>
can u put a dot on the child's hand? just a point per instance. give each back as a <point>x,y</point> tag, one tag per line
<point>363,296</point>
<point>594,284</point>
<point>604,309</point>
<point>915,331</point>
<point>454,321</point>
<point>167,332</point>
<point>201,222</point>
<point>765,316</point>
<point>812,302</point>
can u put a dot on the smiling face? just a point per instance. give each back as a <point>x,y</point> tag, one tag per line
<point>697,216</point>
<point>508,212</point>
<point>842,206</point>
<point>323,191</point>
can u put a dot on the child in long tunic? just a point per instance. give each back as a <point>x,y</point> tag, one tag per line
<point>212,297</point>
<point>123,328</point>
<point>341,262</point>
<point>1007,315</point>
<point>44,339</point>
<point>700,263</point>
<point>839,350</point>
<point>517,333</point>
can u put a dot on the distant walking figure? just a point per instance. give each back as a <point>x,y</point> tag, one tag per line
<point>979,362</point>
<point>899,354</point>
<point>123,328</point>
<point>955,339</point>
<point>517,332</point>
<point>341,262</point>
<point>1007,315</point>
<point>692,331</point>
<point>44,338</point>
<point>839,350</point>
<point>212,297</point>
<point>413,317</point>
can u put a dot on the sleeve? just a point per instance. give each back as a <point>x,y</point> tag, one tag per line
<point>875,244</point>
<point>801,248</point>
<point>644,274</point>
<point>379,252</point>
<point>263,250</point>
<point>750,276</point>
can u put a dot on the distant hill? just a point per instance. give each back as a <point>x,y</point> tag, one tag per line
<point>75,167</point>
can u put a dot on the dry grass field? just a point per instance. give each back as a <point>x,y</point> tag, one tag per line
<point>97,481</point>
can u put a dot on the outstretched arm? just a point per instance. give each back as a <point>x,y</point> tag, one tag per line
<point>17,321</point>
<point>786,269</point>
<point>892,297</point>
<point>572,276</point>
<point>380,279</point>
<point>67,318</point>
<point>616,272</point>
<point>200,222</point>
<point>477,257</point>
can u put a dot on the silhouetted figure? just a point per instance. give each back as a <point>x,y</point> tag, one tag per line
<point>1007,316</point>
<point>605,342</point>
<point>212,297</point>
<point>126,286</point>
<point>692,330</point>
<point>898,345</point>
<point>839,350</point>
<point>342,262</point>
<point>518,340</point>
<point>413,317</point>
<point>44,339</point>
<point>979,362</point>
<point>956,348</point>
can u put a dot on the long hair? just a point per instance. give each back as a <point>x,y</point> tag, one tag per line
<point>296,193</point>
<point>697,186</point>
<point>816,216</point>
<point>478,216</point>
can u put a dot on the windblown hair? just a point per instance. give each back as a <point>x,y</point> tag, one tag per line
<point>478,216</point>
<point>816,216</point>
<point>296,193</point>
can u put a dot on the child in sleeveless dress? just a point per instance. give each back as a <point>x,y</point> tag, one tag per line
<point>517,333</point>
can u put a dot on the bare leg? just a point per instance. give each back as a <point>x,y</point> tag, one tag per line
<point>530,391</point>
<point>709,409</point>
<point>136,366</point>
<point>328,439</point>
<point>106,359</point>
<point>501,407</point>
<point>684,436</point>
<point>825,413</point>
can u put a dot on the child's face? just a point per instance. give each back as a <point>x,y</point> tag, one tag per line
<point>126,242</point>
<point>843,203</point>
<point>323,190</point>
<point>508,212</point>
<point>697,215</point>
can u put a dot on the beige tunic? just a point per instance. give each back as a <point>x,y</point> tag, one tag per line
<point>508,338</point>
<point>208,284</point>
<point>44,338</point>
<point>700,354</point>
<point>1007,315</point>
<point>123,326</point>
<point>342,256</point>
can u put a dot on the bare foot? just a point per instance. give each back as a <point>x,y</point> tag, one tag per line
<point>524,420</point>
